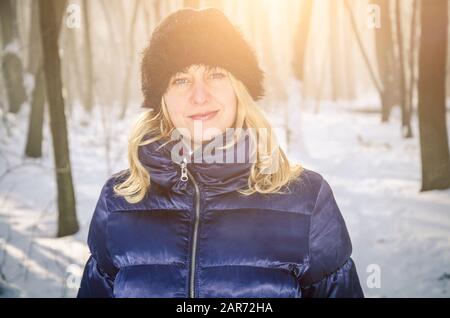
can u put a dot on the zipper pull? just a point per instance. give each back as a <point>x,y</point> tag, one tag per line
<point>184,175</point>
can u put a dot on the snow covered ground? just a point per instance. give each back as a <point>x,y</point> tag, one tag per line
<point>376,177</point>
<point>33,263</point>
<point>374,173</point>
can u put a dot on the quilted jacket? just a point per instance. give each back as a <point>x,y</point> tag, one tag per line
<point>198,237</point>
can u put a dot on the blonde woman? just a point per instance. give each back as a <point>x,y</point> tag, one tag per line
<point>210,206</point>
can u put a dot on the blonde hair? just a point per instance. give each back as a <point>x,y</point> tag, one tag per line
<point>249,115</point>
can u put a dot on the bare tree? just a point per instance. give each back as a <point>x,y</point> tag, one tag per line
<point>73,79</point>
<point>385,57</point>
<point>335,49</point>
<point>412,68</point>
<point>50,14</point>
<point>33,146</point>
<point>11,62</point>
<point>130,59</point>
<point>401,60</point>
<point>431,87</point>
<point>88,100</point>
<point>363,50</point>
<point>157,7</point>
<point>301,39</point>
<point>117,51</point>
<point>349,60</point>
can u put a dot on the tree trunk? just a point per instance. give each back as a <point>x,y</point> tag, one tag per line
<point>432,113</point>
<point>33,146</point>
<point>412,69</point>
<point>157,7</point>
<point>401,61</point>
<point>11,62</point>
<point>130,60</point>
<point>363,50</point>
<point>34,41</point>
<point>301,39</point>
<point>385,57</point>
<point>349,61</point>
<point>335,50</point>
<point>73,73</point>
<point>89,76</point>
<point>49,21</point>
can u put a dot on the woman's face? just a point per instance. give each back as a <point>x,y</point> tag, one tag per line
<point>201,100</point>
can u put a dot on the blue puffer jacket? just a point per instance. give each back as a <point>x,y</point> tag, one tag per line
<point>200,238</point>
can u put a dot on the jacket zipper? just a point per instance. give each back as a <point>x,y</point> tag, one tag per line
<point>185,175</point>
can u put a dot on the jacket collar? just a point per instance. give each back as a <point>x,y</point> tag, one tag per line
<point>213,176</point>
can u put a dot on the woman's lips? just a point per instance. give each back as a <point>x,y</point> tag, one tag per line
<point>204,116</point>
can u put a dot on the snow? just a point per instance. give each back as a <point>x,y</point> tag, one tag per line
<point>374,173</point>
<point>32,261</point>
<point>29,82</point>
<point>13,48</point>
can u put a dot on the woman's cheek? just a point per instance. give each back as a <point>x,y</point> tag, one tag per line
<point>176,114</point>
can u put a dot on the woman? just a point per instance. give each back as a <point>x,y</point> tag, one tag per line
<point>210,206</point>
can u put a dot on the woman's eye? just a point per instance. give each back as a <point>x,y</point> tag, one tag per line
<point>180,81</point>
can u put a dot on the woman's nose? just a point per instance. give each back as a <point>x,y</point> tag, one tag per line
<point>200,94</point>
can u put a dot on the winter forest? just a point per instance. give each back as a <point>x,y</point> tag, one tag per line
<point>357,90</point>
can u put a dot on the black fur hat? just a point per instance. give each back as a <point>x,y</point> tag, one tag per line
<point>192,36</point>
